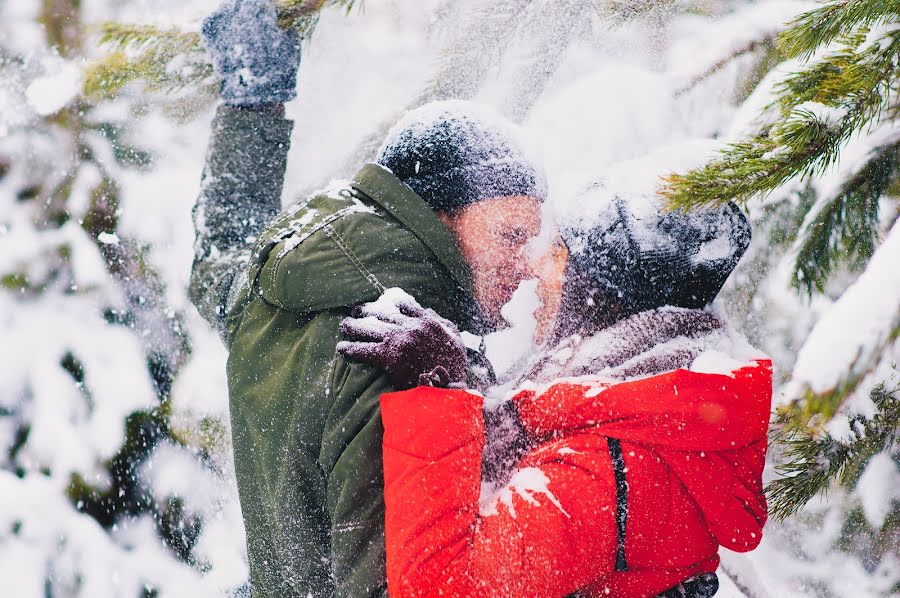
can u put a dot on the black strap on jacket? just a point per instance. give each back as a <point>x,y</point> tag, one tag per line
<point>704,585</point>
<point>618,463</point>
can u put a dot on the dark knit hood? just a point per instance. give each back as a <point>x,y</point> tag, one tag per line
<point>645,257</point>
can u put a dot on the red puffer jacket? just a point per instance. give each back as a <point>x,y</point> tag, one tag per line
<point>688,451</point>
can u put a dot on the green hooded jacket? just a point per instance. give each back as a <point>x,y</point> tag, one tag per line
<point>306,424</point>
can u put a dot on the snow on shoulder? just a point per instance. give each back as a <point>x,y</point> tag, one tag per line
<point>716,362</point>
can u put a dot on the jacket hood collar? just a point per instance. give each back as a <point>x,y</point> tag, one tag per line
<point>379,184</point>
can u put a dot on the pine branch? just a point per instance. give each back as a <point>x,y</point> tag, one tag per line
<point>303,15</point>
<point>826,24</point>
<point>815,459</point>
<point>169,60</point>
<point>123,36</point>
<point>762,43</point>
<point>822,107</point>
<point>165,60</point>
<point>844,228</point>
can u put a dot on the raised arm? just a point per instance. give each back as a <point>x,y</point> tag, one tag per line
<point>245,164</point>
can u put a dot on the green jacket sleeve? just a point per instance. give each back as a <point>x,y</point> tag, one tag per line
<point>240,194</point>
<point>352,462</point>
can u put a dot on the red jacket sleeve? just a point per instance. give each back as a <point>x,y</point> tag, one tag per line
<point>727,486</point>
<point>551,532</point>
<point>682,410</point>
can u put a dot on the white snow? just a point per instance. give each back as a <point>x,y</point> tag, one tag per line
<point>717,249</point>
<point>51,93</point>
<point>108,238</point>
<point>825,114</point>
<point>506,348</point>
<point>878,489</point>
<point>527,483</point>
<point>856,330</point>
<point>716,362</point>
<point>390,301</point>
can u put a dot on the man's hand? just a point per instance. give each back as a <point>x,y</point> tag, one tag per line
<point>256,59</point>
<point>413,345</point>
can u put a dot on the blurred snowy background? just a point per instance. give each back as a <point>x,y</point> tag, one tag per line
<point>115,474</point>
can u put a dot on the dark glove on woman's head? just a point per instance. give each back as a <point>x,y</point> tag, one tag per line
<point>256,59</point>
<point>413,345</point>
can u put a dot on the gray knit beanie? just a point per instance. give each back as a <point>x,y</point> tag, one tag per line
<point>455,153</point>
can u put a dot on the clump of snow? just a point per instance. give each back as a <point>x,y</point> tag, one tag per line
<point>854,332</point>
<point>878,488</point>
<point>506,348</point>
<point>49,94</point>
<point>108,238</point>
<point>526,483</point>
<point>716,362</point>
<point>390,301</point>
<point>719,248</point>
<point>839,428</point>
<point>829,115</point>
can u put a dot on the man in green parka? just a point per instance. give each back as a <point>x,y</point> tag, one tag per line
<point>445,213</point>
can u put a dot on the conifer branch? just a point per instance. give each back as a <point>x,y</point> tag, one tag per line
<point>165,60</point>
<point>844,228</point>
<point>122,36</point>
<point>169,60</point>
<point>822,106</point>
<point>750,47</point>
<point>814,458</point>
<point>303,15</point>
<point>824,25</point>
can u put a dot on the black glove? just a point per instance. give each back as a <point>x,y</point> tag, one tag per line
<point>413,345</point>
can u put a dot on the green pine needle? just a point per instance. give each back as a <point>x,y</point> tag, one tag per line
<point>821,26</point>
<point>303,15</point>
<point>171,60</point>
<point>814,459</point>
<point>844,228</point>
<point>166,60</point>
<point>853,87</point>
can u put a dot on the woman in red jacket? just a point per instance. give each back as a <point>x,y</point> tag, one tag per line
<point>621,479</point>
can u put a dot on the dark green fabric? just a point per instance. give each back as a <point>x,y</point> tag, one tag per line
<point>306,425</point>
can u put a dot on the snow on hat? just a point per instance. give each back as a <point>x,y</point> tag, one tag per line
<point>455,153</point>
<point>649,257</point>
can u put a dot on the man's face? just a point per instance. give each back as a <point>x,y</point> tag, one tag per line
<point>493,236</point>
